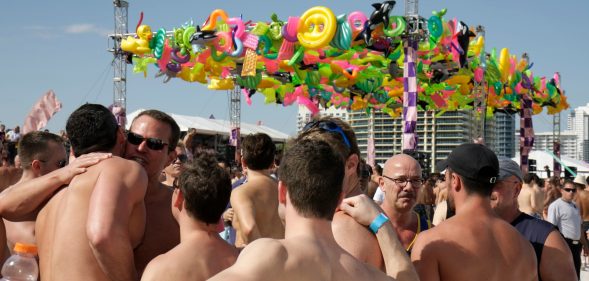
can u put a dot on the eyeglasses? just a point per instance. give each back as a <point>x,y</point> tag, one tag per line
<point>152,143</point>
<point>402,182</point>
<point>60,163</point>
<point>570,190</point>
<point>329,126</point>
<point>182,158</point>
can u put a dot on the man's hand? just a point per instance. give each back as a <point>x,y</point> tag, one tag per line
<point>361,208</point>
<point>228,216</point>
<point>80,164</point>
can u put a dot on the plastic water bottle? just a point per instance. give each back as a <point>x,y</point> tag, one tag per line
<point>22,265</point>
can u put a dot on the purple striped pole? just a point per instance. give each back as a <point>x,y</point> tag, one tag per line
<point>409,96</point>
<point>526,133</point>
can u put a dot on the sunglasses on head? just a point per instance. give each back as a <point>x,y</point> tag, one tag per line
<point>573,190</point>
<point>152,143</point>
<point>329,126</point>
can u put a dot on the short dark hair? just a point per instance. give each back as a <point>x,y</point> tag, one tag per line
<point>528,178</point>
<point>258,151</point>
<point>313,173</point>
<point>165,118</point>
<point>206,188</point>
<point>473,186</point>
<point>567,181</point>
<point>92,128</point>
<point>35,145</point>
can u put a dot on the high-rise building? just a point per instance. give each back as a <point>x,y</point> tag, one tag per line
<point>304,115</point>
<point>543,142</point>
<point>504,133</point>
<point>438,135</point>
<point>578,123</point>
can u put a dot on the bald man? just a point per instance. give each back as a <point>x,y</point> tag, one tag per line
<point>400,182</point>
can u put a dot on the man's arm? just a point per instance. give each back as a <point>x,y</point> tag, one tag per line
<point>244,210</point>
<point>357,240</point>
<point>23,200</point>
<point>397,264</point>
<point>115,196</point>
<point>557,261</point>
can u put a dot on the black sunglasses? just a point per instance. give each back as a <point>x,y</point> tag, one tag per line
<point>182,158</point>
<point>152,143</point>
<point>329,126</point>
<point>573,190</point>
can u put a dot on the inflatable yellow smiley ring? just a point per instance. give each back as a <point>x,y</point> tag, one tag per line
<point>317,26</point>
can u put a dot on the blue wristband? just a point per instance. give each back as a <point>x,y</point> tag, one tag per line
<point>378,222</point>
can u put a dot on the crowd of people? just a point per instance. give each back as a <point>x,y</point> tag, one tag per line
<point>104,203</point>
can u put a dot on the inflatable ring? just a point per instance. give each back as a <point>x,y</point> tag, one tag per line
<point>224,41</point>
<point>317,27</point>
<point>400,25</point>
<point>356,20</point>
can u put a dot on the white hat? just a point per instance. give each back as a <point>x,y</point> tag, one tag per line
<point>580,180</point>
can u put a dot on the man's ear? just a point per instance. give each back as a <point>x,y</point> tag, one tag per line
<point>178,198</point>
<point>36,166</point>
<point>352,164</point>
<point>282,192</point>
<point>456,182</point>
<point>518,189</point>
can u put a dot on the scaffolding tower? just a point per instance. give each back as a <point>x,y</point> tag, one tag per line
<point>120,59</point>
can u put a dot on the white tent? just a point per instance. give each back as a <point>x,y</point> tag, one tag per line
<point>545,159</point>
<point>208,126</point>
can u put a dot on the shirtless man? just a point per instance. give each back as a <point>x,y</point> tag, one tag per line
<point>555,262</point>
<point>40,153</point>
<point>151,141</point>
<point>349,234</point>
<point>255,203</point>
<point>531,197</point>
<point>88,230</point>
<point>400,182</point>
<point>310,186</point>
<point>200,196</point>
<point>474,244</point>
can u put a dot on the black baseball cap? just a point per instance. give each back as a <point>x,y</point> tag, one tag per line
<point>475,162</point>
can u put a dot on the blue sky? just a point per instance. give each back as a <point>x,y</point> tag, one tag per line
<point>61,45</point>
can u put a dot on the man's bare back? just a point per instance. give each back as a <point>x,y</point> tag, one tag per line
<point>72,220</point>
<point>162,232</point>
<point>477,246</point>
<point>184,263</point>
<point>299,258</point>
<point>255,204</point>
<point>531,200</point>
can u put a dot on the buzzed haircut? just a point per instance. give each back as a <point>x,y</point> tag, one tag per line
<point>258,151</point>
<point>474,187</point>
<point>92,128</point>
<point>35,146</point>
<point>313,173</point>
<point>165,118</point>
<point>206,188</point>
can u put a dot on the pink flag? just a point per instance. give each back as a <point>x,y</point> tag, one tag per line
<point>41,112</point>
<point>370,153</point>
